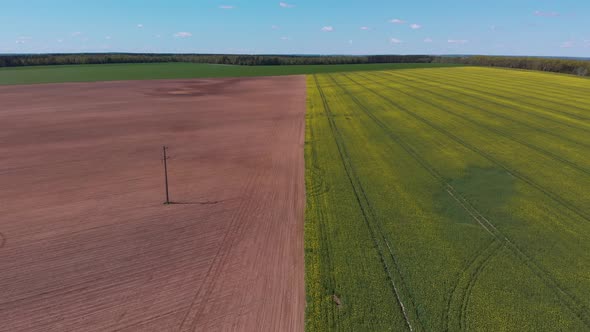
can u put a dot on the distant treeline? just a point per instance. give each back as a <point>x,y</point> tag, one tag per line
<point>566,66</point>
<point>242,60</point>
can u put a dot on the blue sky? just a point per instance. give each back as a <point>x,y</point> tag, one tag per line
<point>511,27</point>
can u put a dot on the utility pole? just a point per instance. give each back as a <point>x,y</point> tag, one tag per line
<point>165,159</point>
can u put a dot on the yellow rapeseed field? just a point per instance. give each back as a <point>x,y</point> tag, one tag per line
<point>446,199</point>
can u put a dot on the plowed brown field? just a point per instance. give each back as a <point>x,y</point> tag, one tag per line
<point>85,241</point>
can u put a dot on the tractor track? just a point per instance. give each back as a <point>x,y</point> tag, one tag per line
<point>568,299</point>
<point>543,89</point>
<point>325,270</point>
<point>478,151</point>
<point>540,150</point>
<point>495,114</point>
<point>366,208</point>
<point>450,190</point>
<point>502,103</point>
<point>577,117</point>
<point>518,91</point>
<point>466,298</point>
<point>526,80</point>
<point>463,274</point>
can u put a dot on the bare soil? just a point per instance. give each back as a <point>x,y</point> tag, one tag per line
<point>85,241</point>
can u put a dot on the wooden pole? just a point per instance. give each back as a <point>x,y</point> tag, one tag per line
<point>164,148</point>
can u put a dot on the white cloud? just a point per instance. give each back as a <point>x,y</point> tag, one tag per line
<point>227,7</point>
<point>350,42</point>
<point>415,26</point>
<point>428,40</point>
<point>397,21</point>
<point>365,28</point>
<point>328,29</point>
<point>545,14</point>
<point>286,5</point>
<point>567,44</point>
<point>158,36</point>
<point>275,27</point>
<point>22,40</point>
<point>140,26</point>
<point>76,34</point>
<point>183,34</point>
<point>285,38</point>
<point>395,41</point>
<point>107,37</point>
<point>60,40</point>
<point>457,41</point>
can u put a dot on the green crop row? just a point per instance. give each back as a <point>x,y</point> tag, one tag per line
<point>447,199</point>
<point>176,70</point>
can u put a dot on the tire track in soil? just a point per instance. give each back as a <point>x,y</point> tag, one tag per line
<point>359,192</point>
<point>328,266</point>
<point>320,187</point>
<point>465,299</point>
<point>418,159</point>
<point>532,84</point>
<point>246,208</point>
<point>536,269</point>
<point>499,88</point>
<point>265,197</point>
<point>526,80</point>
<point>577,307</point>
<point>540,150</point>
<point>463,273</point>
<point>95,283</point>
<point>516,174</point>
<point>89,288</point>
<point>571,116</point>
<point>502,103</point>
<point>541,130</point>
<point>581,311</point>
<point>193,312</point>
<point>135,325</point>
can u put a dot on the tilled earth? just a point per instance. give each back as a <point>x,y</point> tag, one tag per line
<point>85,241</point>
